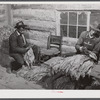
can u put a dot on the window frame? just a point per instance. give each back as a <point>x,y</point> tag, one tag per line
<point>58,12</point>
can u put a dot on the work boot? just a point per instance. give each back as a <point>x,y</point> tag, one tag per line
<point>36,63</point>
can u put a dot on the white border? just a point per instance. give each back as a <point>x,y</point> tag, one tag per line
<point>49,93</point>
<point>49,2</point>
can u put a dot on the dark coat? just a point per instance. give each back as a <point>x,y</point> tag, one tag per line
<point>16,44</point>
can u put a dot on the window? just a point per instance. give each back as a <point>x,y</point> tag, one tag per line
<point>72,23</point>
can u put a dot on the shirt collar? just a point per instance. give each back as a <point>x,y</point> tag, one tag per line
<point>17,33</point>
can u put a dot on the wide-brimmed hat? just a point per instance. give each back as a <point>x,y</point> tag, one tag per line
<point>95,27</point>
<point>20,25</point>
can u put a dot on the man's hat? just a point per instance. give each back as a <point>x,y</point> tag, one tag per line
<point>20,25</point>
<point>95,27</point>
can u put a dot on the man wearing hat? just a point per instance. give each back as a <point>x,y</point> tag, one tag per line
<point>18,45</point>
<point>89,41</point>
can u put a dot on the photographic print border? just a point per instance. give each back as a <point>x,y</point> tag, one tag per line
<point>78,94</point>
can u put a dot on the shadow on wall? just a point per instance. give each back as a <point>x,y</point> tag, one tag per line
<point>5,32</point>
<point>5,59</point>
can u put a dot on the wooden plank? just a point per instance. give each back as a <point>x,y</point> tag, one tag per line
<point>8,14</point>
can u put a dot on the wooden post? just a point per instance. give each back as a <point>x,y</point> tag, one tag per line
<point>57,23</point>
<point>8,14</point>
<point>88,21</point>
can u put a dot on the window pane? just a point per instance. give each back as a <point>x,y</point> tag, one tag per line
<point>82,18</point>
<point>72,31</point>
<point>63,17</point>
<point>72,18</point>
<point>80,30</point>
<point>63,30</point>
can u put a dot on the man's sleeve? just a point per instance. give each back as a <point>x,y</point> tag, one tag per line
<point>80,41</point>
<point>15,47</point>
<point>27,43</point>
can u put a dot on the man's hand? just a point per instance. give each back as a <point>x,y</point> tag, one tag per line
<point>81,49</point>
<point>93,55</point>
<point>84,50</point>
<point>31,45</point>
<point>28,48</point>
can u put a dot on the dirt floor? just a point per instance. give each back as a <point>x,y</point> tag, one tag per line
<point>10,81</point>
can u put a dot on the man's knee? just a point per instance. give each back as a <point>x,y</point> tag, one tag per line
<point>18,58</point>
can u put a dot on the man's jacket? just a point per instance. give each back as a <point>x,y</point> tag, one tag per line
<point>86,41</point>
<point>16,44</point>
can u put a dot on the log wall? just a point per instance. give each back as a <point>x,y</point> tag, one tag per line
<point>42,17</point>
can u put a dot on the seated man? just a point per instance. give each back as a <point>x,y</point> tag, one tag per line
<point>89,41</point>
<point>18,45</point>
<point>89,44</point>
